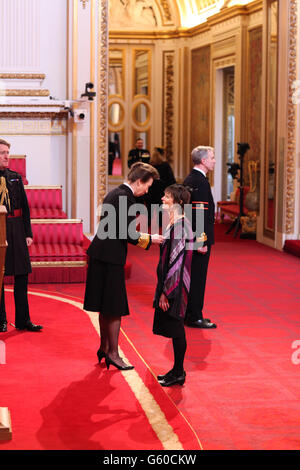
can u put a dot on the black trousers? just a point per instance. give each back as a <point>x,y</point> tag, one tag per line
<point>198,282</point>
<point>21,302</point>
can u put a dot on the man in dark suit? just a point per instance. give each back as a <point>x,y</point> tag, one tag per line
<point>201,199</point>
<point>138,154</point>
<point>19,238</point>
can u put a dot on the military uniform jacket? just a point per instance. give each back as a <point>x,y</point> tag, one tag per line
<point>136,155</point>
<point>202,199</point>
<point>17,259</point>
<point>113,248</point>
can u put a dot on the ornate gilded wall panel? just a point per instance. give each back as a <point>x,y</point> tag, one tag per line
<point>166,10</point>
<point>254,96</point>
<point>200,97</point>
<point>291,120</point>
<point>102,101</point>
<point>168,103</point>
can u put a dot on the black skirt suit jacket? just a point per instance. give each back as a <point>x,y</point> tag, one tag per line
<point>105,285</point>
<point>114,249</point>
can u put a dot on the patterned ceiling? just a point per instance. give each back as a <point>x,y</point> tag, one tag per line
<point>193,12</point>
<point>152,14</point>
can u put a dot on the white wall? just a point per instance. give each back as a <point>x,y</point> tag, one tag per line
<point>36,34</point>
<point>218,112</point>
<point>53,46</point>
<point>45,158</point>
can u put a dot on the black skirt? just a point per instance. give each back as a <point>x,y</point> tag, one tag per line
<point>165,325</point>
<point>105,290</point>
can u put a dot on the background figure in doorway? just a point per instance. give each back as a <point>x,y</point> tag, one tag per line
<point>166,178</point>
<point>111,156</point>
<point>138,154</point>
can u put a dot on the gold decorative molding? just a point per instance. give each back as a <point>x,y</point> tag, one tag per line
<point>25,105</point>
<point>141,125</point>
<point>21,125</point>
<point>291,119</point>
<point>131,34</point>
<point>28,186</point>
<point>103,64</point>
<point>56,221</point>
<point>92,115</point>
<point>168,97</point>
<point>166,10</point>
<point>225,62</point>
<point>55,264</point>
<point>13,92</point>
<point>22,76</point>
<point>33,115</point>
<point>136,52</point>
<point>84,2</point>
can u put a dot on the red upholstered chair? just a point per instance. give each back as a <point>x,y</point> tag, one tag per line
<point>18,163</point>
<point>45,202</point>
<point>57,240</point>
<point>232,208</point>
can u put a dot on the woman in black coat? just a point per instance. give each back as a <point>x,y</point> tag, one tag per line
<point>173,280</point>
<point>105,290</point>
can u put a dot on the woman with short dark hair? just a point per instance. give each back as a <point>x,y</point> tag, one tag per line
<point>173,280</point>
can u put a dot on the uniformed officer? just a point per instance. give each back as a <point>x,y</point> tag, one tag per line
<point>19,238</point>
<point>138,154</point>
<point>202,200</point>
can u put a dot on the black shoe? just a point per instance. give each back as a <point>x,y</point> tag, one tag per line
<point>100,354</point>
<point>163,377</point>
<point>201,324</point>
<point>173,380</point>
<point>3,327</point>
<point>31,327</point>
<point>186,321</point>
<point>109,361</point>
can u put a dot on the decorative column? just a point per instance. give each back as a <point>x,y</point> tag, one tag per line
<point>291,120</point>
<point>20,35</point>
<point>88,63</point>
<point>102,101</point>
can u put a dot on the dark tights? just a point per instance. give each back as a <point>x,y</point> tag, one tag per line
<point>179,347</point>
<point>109,333</point>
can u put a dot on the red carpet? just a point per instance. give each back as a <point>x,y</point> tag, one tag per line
<point>61,399</point>
<point>242,389</point>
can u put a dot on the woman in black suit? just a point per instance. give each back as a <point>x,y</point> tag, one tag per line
<point>105,284</point>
